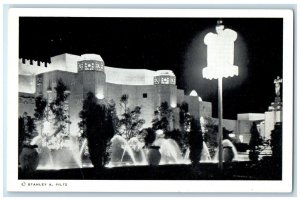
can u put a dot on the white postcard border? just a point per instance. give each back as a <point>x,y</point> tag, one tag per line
<point>13,184</point>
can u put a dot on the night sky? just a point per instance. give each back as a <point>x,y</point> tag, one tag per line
<point>169,43</point>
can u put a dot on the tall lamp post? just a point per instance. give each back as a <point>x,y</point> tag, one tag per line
<point>220,58</point>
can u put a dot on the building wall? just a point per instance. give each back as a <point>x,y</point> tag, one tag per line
<point>205,109</point>
<point>270,120</point>
<point>93,81</point>
<point>244,126</point>
<point>244,129</point>
<point>147,103</point>
<point>49,80</point>
<point>114,92</point>
<point>166,93</point>
<point>193,103</point>
<point>229,124</point>
<point>143,96</point>
<point>100,85</point>
<point>123,76</point>
<point>76,101</point>
<point>27,83</point>
<point>180,96</point>
<point>70,62</point>
<point>176,118</point>
<point>26,104</point>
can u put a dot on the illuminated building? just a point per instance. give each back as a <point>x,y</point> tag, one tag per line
<point>88,72</point>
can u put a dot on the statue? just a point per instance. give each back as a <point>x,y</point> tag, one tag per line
<point>277,82</point>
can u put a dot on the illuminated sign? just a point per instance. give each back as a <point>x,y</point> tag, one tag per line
<point>220,54</point>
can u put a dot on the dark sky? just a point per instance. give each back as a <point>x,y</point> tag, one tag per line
<point>169,43</point>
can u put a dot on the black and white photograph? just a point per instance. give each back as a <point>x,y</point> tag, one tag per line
<point>152,98</point>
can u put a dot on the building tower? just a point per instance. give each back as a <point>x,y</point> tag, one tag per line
<point>165,86</point>
<point>92,75</point>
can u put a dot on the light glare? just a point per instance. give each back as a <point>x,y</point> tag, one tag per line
<point>220,54</point>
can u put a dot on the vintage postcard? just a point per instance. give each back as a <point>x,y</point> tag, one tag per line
<point>149,100</point>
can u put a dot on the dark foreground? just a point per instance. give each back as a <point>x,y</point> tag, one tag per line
<point>266,170</point>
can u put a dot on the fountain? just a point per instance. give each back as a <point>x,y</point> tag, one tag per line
<point>132,152</point>
<point>123,153</point>
<point>170,151</point>
<point>205,156</point>
<point>138,151</point>
<point>68,156</point>
<point>229,152</point>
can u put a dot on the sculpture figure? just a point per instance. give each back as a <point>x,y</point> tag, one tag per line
<point>277,82</point>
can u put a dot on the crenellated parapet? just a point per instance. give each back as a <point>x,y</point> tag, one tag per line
<point>32,67</point>
<point>63,62</point>
<point>33,63</point>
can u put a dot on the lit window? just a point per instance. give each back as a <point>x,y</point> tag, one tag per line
<point>165,80</point>
<point>156,80</point>
<point>172,80</point>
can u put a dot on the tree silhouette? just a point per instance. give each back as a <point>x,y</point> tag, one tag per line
<point>254,143</point>
<point>58,106</point>
<point>27,130</point>
<point>39,111</point>
<point>276,143</point>
<point>148,135</point>
<point>195,142</point>
<point>97,127</point>
<point>54,115</point>
<point>163,117</point>
<point>131,119</point>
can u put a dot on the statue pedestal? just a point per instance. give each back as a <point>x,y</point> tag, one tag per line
<point>277,105</point>
<point>277,99</point>
<point>272,116</point>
